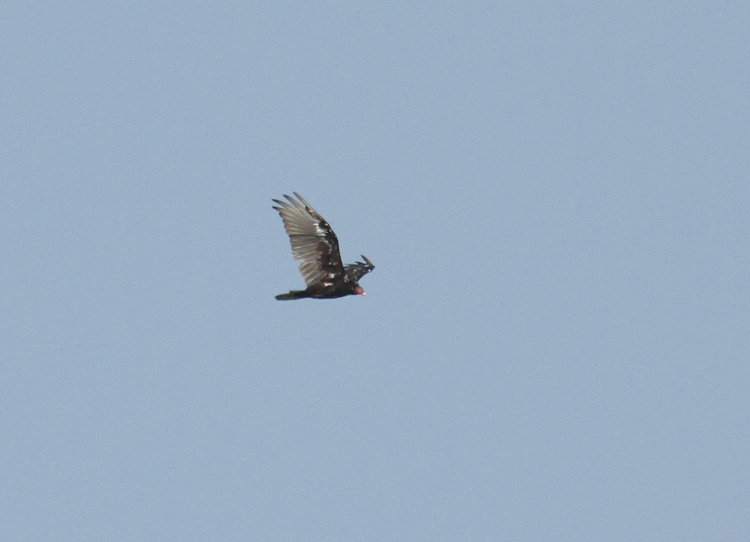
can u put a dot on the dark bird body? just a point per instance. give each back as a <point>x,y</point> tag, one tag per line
<point>314,242</point>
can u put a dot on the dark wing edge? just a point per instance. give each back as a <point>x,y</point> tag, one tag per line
<point>357,270</point>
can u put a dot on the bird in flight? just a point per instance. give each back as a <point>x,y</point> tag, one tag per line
<point>314,242</point>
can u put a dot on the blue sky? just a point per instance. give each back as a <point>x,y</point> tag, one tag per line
<point>554,344</point>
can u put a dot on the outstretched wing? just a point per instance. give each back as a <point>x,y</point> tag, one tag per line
<point>312,239</point>
<point>359,269</point>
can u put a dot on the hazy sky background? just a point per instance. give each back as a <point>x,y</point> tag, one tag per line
<point>555,344</point>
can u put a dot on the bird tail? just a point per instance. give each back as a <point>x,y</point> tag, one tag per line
<point>293,294</point>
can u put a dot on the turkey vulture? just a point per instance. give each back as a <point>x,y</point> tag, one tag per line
<point>314,242</point>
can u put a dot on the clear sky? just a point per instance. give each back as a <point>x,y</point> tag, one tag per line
<point>555,344</point>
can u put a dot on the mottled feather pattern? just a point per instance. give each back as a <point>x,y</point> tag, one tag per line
<point>359,269</point>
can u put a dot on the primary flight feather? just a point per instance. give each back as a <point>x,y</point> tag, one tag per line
<point>314,242</point>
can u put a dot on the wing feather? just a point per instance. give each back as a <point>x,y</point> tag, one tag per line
<point>313,240</point>
<point>359,269</point>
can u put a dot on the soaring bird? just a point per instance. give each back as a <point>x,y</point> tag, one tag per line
<point>314,242</point>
